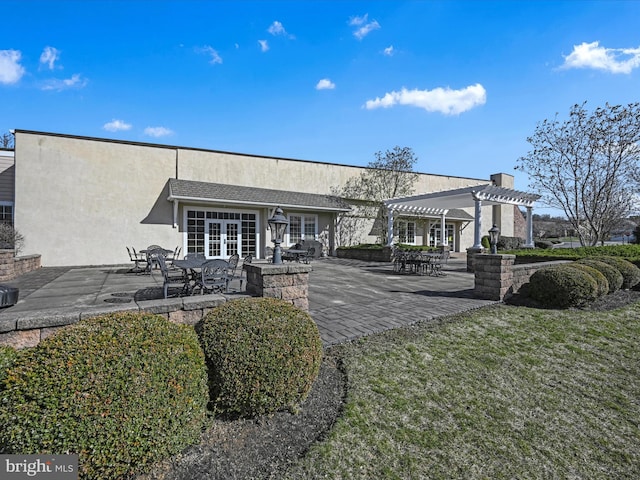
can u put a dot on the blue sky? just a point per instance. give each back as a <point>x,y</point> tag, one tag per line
<point>462,83</point>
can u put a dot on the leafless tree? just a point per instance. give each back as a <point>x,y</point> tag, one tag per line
<point>6,140</point>
<point>586,165</point>
<point>390,175</point>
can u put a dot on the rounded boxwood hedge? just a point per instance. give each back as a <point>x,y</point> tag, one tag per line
<point>263,355</point>
<point>630,273</point>
<point>601,280</point>
<point>614,277</point>
<point>121,391</point>
<point>562,286</point>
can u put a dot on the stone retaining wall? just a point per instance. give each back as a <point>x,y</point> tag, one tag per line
<point>497,277</point>
<point>12,266</point>
<point>367,254</point>
<point>20,330</point>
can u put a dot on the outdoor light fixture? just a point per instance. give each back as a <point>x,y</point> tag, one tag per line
<point>278,224</point>
<point>494,235</point>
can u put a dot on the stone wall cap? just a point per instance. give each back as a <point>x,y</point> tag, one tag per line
<point>271,269</point>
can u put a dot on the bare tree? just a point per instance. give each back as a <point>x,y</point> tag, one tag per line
<point>391,175</point>
<point>585,166</point>
<point>6,140</point>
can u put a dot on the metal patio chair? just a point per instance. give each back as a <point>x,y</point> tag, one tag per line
<point>214,276</point>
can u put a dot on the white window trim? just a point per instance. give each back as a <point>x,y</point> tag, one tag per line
<point>303,218</point>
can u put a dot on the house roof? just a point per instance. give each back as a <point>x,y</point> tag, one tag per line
<point>194,191</point>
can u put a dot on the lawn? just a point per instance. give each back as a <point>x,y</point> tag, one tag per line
<point>502,392</point>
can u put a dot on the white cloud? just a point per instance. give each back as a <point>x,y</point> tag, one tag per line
<point>325,84</point>
<point>389,51</point>
<point>157,131</point>
<point>443,100</point>
<point>76,81</point>
<point>116,125</point>
<point>276,28</point>
<point>264,45</point>
<point>49,56</point>
<point>613,60</point>
<point>215,58</point>
<point>364,26</point>
<point>10,69</point>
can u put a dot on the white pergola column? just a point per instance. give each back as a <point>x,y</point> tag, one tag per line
<point>529,241</point>
<point>389,226</point>
<point>443,231</point>
<point>477,227</point>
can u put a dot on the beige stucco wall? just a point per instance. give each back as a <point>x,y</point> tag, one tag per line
<point>80,201</point>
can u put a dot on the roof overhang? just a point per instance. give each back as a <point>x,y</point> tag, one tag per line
<point>190,191</point>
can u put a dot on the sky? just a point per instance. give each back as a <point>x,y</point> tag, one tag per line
<point>461,83</point>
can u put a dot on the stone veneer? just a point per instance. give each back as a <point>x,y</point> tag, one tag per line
<point>288,281</point>
<point>497,277</point>
<point>12,266</point>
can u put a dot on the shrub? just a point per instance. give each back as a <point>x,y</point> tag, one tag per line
<point>630,273</point>
<point>121,391</point>
<point>562,286</point>
<point>485,242</point>
<point>510,243</point>
<point>614,277</point>
<point>263,355</point>
<point>601,280</point>
<point>7,359</point>
<point>544,244</point>
<point>10,238</point>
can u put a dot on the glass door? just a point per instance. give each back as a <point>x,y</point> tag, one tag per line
<point>223,238</point>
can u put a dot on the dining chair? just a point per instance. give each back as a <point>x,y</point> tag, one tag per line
<point>214,276</point>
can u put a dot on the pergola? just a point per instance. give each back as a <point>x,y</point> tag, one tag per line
<point>439,203</point>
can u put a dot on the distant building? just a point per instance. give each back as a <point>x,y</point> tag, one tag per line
<point>80,200</point>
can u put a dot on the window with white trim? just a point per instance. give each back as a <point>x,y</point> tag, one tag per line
<point>6,212</point>
<point>406,232</point>
<point>302,227</point>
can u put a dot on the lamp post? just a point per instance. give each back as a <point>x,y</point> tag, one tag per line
<point>494,235</point>
<point>277,224</point>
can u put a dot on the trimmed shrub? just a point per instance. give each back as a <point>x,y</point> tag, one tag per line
<point>601,280</point>
<point>7,359</point>
<point>263,355</point>
<point>562,286</point>
<point>544,244</point>
<point>510,243</point>
<point>485,242</point>
<point>630,273</point>
<point>614,277</point>
<point>122,391</point>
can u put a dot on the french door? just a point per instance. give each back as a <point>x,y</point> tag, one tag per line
<point>223,239</point>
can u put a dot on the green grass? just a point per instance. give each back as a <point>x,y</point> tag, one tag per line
<point>503,392</point>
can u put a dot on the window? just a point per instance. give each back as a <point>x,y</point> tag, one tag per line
<point>196,229</point>
<point>407,232</point>
<point>302,227</point>
<point>435,236</point>
<point>6,213</point>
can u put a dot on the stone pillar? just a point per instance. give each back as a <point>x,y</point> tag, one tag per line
<point>288,282</point>
<point>493,276</point>
<point>472,252</point>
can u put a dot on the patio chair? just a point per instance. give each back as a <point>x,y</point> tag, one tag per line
<point>152,256</point>
<point>247,261</point>
<point>175,255</point>
<point>172,276</point>
<point>214,276</point>
<point>233,265</point>
<point>307,257</point>
<point>138,259</point>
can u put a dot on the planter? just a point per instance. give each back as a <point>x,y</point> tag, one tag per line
<point>368,254</point>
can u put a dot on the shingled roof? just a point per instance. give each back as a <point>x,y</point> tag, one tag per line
<point>190,190</point>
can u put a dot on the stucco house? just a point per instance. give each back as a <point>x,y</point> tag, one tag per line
<point>81,201</point>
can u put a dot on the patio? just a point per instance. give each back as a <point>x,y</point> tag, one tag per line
<point>347,298</point>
